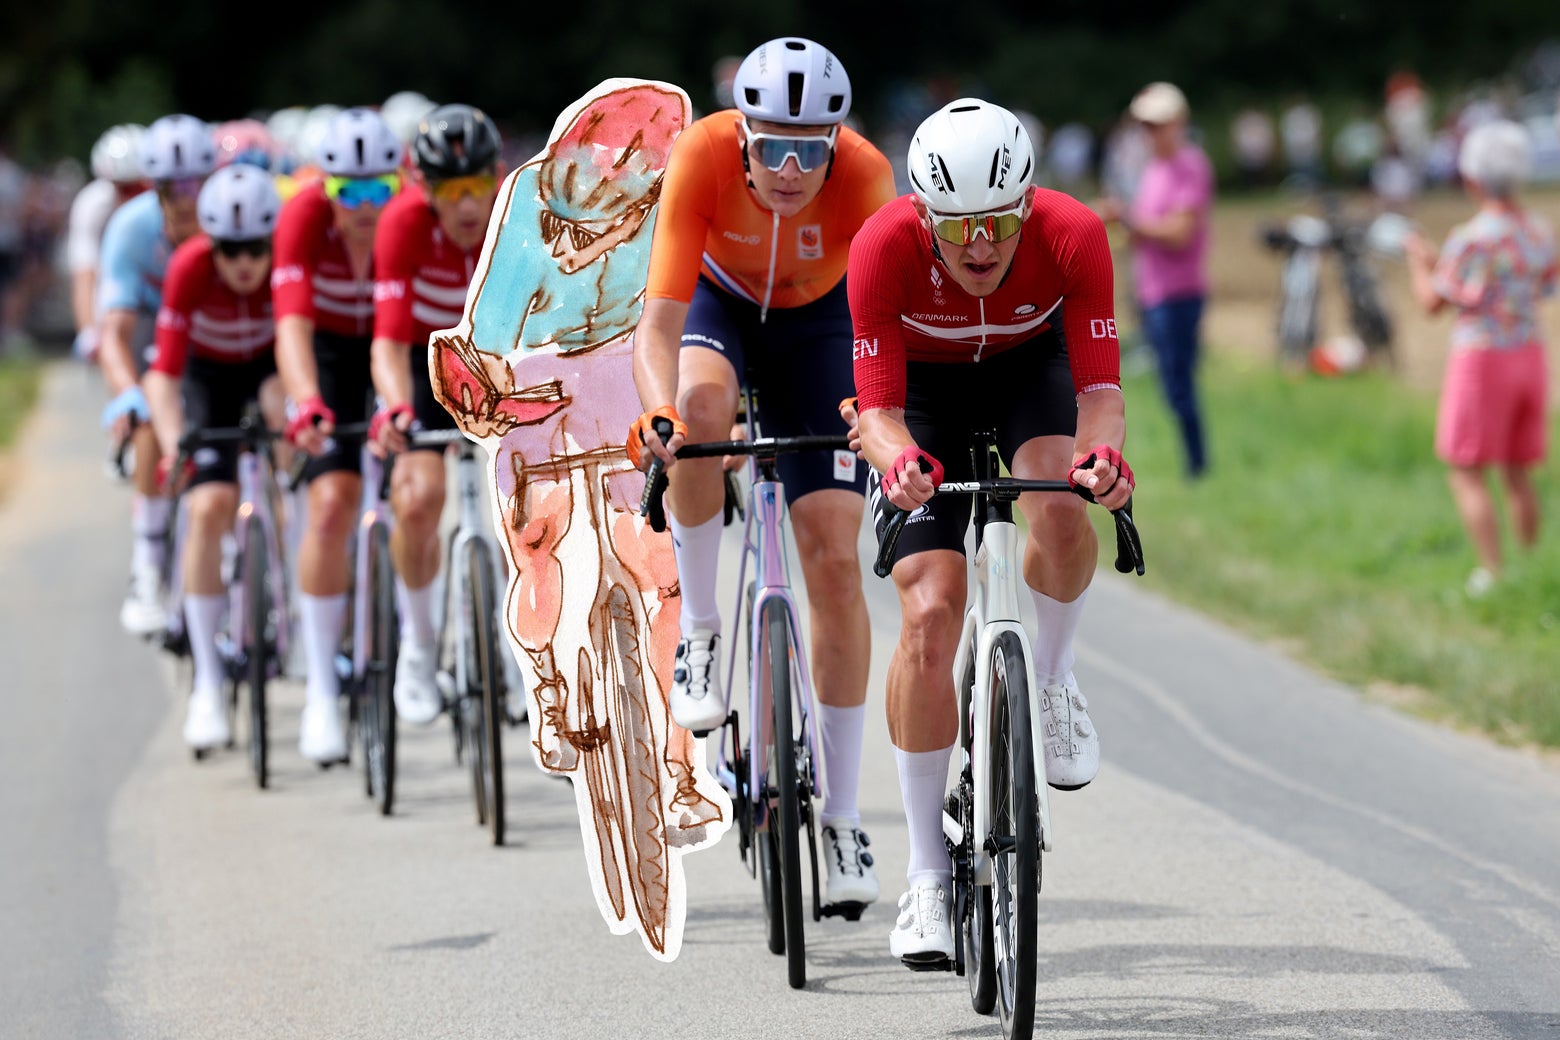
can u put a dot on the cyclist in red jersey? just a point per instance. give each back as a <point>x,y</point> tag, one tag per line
<point>215,335</point>
<point>982,302</point>
<point>426,250</point>
<point>747,287</point>
<point>323,285</point>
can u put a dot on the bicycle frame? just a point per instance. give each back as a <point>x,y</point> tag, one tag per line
<point>253,501</point>
<point>373,507</point>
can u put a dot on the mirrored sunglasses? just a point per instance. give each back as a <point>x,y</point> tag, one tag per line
<point>354,192</point>
<point>181,187</point>
<point>961,231</point>
<point>233,248</point>
<point>453,189</point>
<point>772,150</point>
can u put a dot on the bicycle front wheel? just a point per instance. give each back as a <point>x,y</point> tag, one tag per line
<point>378,715</point>
<point>785,821</point>
<point>258,644</point>
<point>483,668</point>
<point>1014,841</point>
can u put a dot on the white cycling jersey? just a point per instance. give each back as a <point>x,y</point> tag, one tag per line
<point>89,214</point>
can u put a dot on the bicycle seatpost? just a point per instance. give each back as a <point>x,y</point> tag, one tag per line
<point>651,504</point>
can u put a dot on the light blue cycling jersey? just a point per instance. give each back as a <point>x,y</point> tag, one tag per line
<point>130,273</point>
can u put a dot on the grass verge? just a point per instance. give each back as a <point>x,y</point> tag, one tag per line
<point>20,378</point>
<point>1326,526</point>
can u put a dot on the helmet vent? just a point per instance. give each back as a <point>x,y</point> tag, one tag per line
<point>358,143</point>
<point>965,108</point>
<point>795,82</point>
<point>238,216</point>
<point>795,45</point>
<point>751,93</point>
<point>836,103</point>
<point>178,156</point>
<point>996,162</point>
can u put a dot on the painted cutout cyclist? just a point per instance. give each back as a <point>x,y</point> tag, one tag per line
<point>747,284</point>
<point>982,302</point>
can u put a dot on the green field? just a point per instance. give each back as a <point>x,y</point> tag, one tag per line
<point>1325,527</point>
<point>19,377</point>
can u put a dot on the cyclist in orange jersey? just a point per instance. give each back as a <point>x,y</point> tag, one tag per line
<point>747,287</point>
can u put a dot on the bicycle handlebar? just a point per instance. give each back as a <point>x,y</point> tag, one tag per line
<point>651,506</point>
<point>1129,547</point>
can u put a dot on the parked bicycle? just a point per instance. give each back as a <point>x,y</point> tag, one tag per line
<point>997,816</point>
<point>772,775</point>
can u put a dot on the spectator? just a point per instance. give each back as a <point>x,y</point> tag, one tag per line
<point>1168,224</point>
<point>1300,127</point>
<point>1492,271</point>
<point>1253,142</point>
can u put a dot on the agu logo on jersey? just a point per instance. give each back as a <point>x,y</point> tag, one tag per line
<point>809,242</point>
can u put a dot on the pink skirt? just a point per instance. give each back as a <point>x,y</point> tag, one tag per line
<point>1494,407</point>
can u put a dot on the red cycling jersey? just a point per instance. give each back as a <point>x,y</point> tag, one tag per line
<point>906,307</point>
<point>709,220</point>
<point>312,274</point>
<point>201,315</point>
<point>420,276</point>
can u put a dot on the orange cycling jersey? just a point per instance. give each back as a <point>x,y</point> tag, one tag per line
<point>708,221</point>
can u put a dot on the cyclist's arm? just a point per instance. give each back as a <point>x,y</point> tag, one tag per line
<point>83,287</point>
<point>116,351</point>
<point>295,357</point>
<point>657,341</point>
<point>167,408</point>
<point>391,368</point>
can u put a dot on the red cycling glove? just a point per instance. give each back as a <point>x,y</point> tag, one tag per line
<point>385,417</point>
<point>1110,455</point>
<point>310,411</point>
<point>911,456</point>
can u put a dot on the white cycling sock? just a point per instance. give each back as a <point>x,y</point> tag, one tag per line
<point>923,781</point>
<point>839,733</point>
<point>416,607</point>
<point>698,562</point>
<point>1053,644</point>
<point>149,524</point>
<point>202,618</point>
<point>321,619</point>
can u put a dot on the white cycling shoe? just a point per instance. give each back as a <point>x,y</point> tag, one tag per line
<point>417,697</point>
<point>143,613</point>
<point>922,938</point>
<point>205,721</point>
<point>695,698</point>
<point>321,736</point>
<point>1072,747</point>
<point>851,883</point>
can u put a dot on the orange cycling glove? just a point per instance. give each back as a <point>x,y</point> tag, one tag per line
<point>644,424</point>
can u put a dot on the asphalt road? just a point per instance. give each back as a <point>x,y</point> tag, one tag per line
<point>1264,854</point>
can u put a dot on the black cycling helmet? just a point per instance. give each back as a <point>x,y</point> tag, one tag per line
<point>455,140</point>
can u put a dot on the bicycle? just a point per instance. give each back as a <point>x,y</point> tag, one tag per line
<point>470,674</point>
<point>997,817</point>
<point>257,631</point>
<point>772,782</point>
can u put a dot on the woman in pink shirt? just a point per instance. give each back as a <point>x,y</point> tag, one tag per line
<point>1493,271</point>
<point>1168,223</point>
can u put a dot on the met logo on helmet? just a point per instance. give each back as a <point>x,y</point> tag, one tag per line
<point>1006,165</point>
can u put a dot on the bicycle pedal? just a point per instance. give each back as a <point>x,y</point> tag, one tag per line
<point>927,962</point>
<point>849,910</point>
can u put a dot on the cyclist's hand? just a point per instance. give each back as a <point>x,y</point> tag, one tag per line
<point>127,408</point>
<point>642,436</point>
<point>311,425</point>
<point>388,428</point>
<point>851,416</point>
<point>731,462</point>
<point>168,481</point>
<point>1105,474</point>
<point>912,478</point>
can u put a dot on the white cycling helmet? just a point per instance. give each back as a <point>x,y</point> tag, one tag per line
<point>358,143</point>
<point>971,156</point>
<point>792,80</point>
<point>403,112</point>
<point>316,123</point>
<point>117,154</point>
<point>177,146</point>
<point>238,202</point>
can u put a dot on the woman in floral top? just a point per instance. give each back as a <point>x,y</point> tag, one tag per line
<point>1493,271</point>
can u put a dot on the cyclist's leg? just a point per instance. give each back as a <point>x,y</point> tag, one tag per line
<point>335,482</point>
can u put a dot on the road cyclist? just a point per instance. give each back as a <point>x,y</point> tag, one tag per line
<point>116,179</point>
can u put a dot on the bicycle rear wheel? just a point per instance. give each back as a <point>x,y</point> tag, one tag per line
<point>482,667</point>
<point>378,714</point>
<point>785,821</point>
<point>258,644</point>
<point>1014,841</point>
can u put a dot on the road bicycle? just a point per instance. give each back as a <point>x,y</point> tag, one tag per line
<point>471,673</point>
<point>997,816</point>
<point>257,634</point>
<point>771,776</point>
<point>1304,240</point>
